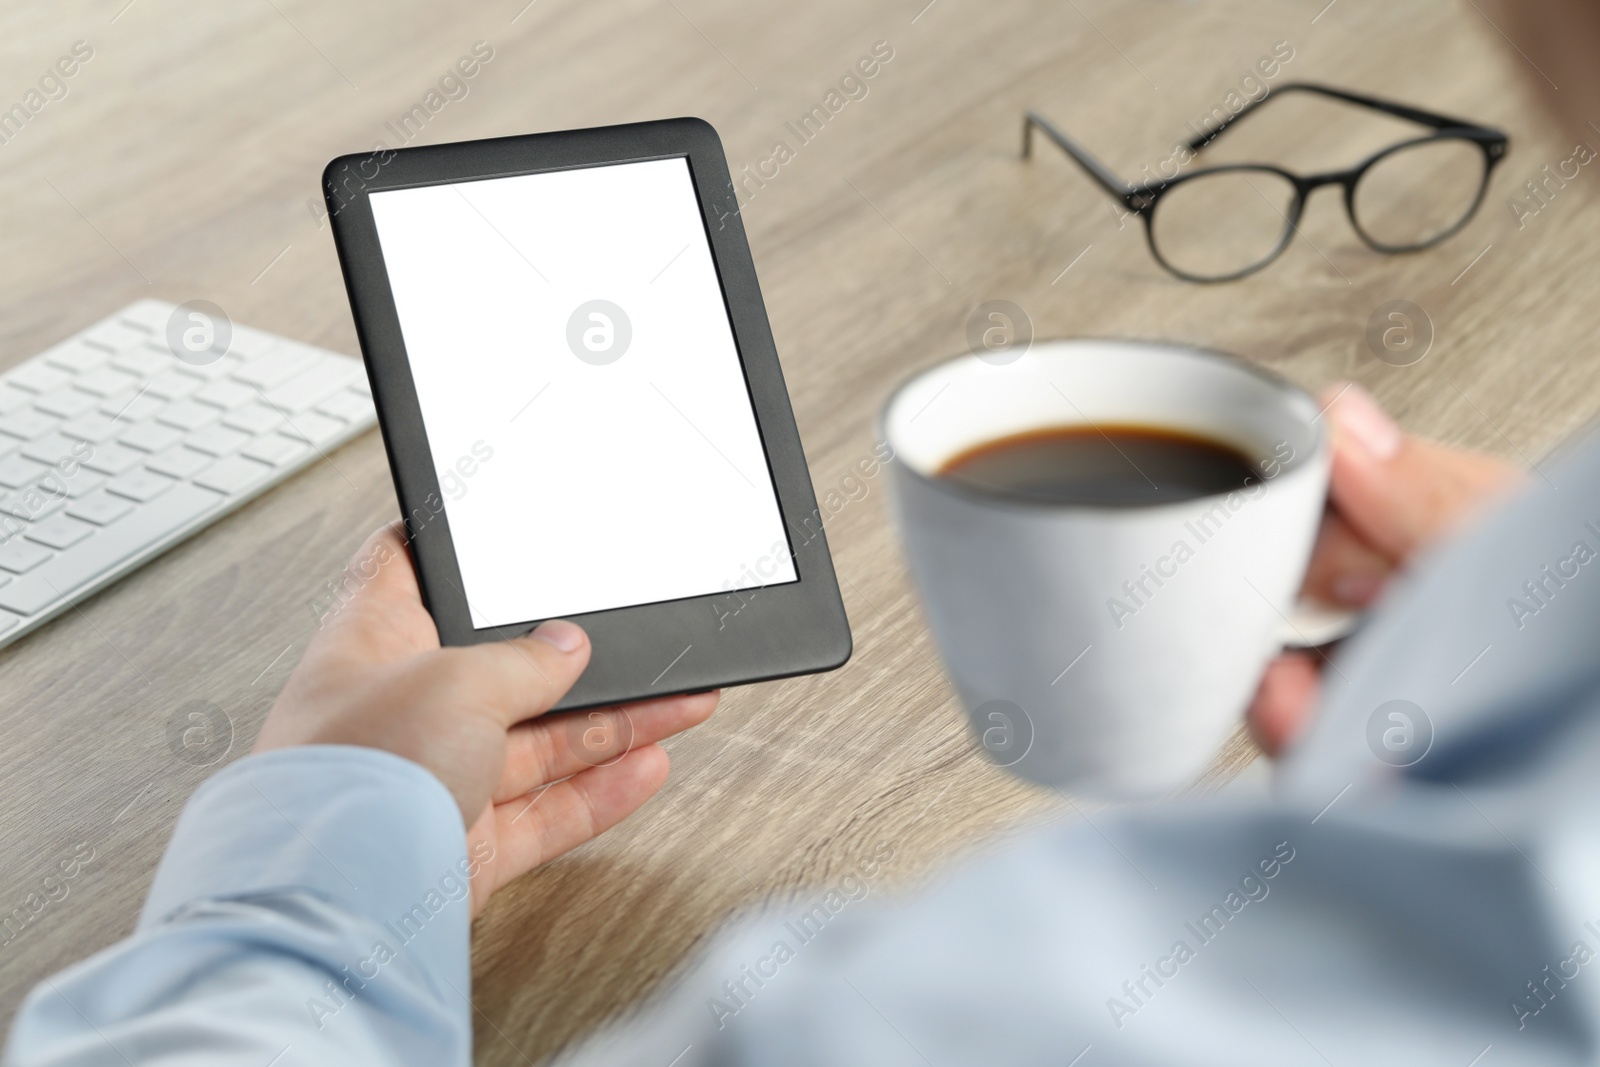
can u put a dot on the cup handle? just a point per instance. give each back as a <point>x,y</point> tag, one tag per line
<point>1312,623</point>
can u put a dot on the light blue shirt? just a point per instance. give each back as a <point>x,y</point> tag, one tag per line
<point>312,908</point>
<point>1423,888</point>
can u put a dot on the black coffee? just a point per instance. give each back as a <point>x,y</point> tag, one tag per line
<point>1105,466</point>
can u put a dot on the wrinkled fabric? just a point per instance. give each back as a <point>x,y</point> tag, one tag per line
<point>312,908</point>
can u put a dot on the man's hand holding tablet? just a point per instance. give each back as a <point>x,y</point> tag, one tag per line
<point>529,787</point>
<point>583,407</point>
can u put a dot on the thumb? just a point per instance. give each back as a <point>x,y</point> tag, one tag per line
<point>1399,492</point>
<point>525,676</point>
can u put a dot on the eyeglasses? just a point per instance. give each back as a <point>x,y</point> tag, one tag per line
<point>1220,223</point>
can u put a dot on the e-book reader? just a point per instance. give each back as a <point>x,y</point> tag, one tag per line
<point>583,407</point>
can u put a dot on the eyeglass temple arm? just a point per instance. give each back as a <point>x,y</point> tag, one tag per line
<point>1097,170</point>
<point>1389,107</point>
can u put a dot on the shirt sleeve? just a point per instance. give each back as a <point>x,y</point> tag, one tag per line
<point>313,907</point>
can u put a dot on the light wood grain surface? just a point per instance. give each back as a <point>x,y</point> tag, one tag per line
<point>183,163</point>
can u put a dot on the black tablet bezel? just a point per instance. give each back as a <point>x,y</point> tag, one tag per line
<point>647,650</point>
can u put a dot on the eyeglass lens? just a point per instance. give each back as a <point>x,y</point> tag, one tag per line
<point>1217,225</point>
<point>1417,193</point>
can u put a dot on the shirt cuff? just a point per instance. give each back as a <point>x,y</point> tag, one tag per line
<point>374,833</point>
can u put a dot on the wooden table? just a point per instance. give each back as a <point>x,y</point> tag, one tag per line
<point>183,163</point>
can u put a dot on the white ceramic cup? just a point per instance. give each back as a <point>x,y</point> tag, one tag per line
<point>1107,650</point>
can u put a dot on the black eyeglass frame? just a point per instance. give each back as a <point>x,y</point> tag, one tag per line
<point>1141,199</point>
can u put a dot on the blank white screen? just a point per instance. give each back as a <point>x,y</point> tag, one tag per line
<point>608,484</point>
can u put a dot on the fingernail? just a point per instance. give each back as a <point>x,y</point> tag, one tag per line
<point>1361,419</point>
<point>1357,590</point>
<point>567,636</point>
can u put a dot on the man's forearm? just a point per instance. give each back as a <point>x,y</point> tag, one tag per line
<point>313,907</point>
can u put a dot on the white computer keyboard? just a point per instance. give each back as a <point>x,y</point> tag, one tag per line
<point>112,449</point>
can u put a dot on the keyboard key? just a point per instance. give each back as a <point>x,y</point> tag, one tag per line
<point>115,336</point>
<point>12,399</point>
<point>234,474</point>
<point>38,377</point>
<point>74,482</point>
<point>94,426</point>
<point>217,439</point>
<point>348,405</point>
<point>152,436</point>
<point>320,380</point>
<point>100,508</point>
<point>309,426</point>
<point>70,571</point>
<point>248,343</point>
<point>225,394</point>
<point>276,367</point>
<point>59,532</point>
<point>144,362</point>
<point>114,459</point>
<point>19,556</point>
<point>52,448</point>
<point>31,504</point>
<point>133,407</point>
<point>106,381</point>
<point>82,482</point>
<point>16,472</point>
<point>76,356</point>
<point>27,423</point>
<point>173,385</point>
<point>188,414</point>
<point>221,368</point>
<point>66,402</point>
<point>53,483</point>
<point>140,485</point>
<point>252,418</point>
<point>276,449</point>
<point>180,462</point>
